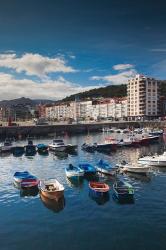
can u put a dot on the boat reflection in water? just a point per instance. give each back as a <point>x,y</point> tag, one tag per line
<point>60,155</point>
<point>31,191</point>
<point>54,205</point>
<point>75,182</point>
<point>142,178</point>
<point>100,200</point>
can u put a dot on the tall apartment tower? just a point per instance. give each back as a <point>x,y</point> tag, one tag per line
<point>143,97</point>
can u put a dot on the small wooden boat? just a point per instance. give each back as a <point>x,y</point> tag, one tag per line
<point>20,176</point>
<point>18,151</point>
<point>29,183</point>
<point>98,188</point>
<point>123,191</point>
<point>51,189</point>
<point>42,149</point>
<point>74,172</point>
<point>105,168</point>
<point>88,168</point>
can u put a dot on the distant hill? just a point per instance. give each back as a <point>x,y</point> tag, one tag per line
<point>23,102</point>
<point>108,91</point>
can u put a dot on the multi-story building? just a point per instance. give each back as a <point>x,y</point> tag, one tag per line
<point>143,97</point>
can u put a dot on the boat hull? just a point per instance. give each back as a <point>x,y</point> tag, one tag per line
<point>57,149</point>
<point>53,195</point>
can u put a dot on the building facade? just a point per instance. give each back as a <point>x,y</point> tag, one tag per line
<point>143,97</point>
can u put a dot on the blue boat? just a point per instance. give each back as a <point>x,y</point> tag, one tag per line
<point>30,149</point>
<point>106,168</point>
<point>74,172</point>
<point>18,151</point>
<point>88,168</point>
<point>42,149</point>
<point>123,191</point>
<point>24,175</point>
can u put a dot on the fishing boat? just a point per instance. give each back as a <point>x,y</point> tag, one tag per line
<point>108,145</point>
<point>88,147</point>
<point>19,176</point>
<point>42,149</point>
<point>123,191</point>
<point>29,183</point>
<point>74,172</point>
<point>30,149</point>
<point>98,188</point>
<point>87,168</point>
<point>105,168</point>
<point>18,151</point>
<point>6,147</point>
<point>52,204</point>
<point>125,168</point>
<point>51,189</point>
<point>57,145</point>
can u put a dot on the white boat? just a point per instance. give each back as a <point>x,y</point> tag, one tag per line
<point>105,168</point>
<point>125,142</point>
<point>6,147</point>
<point>51,189</point>
<point>57,145</point>
<point>156,161</point>
<point>135,169</point>
<point>74,172</point>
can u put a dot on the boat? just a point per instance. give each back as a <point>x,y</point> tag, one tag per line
<point>30,149</point>
<point>51,189</point>
<point>18,151</point>
<point>6,147</point>
<point>19,176</point>
<point>105,168</point>
<point>54,205</point>
<point>98,188</point>
<point>57,145</point>
<point>124,168</point>
<point>74,172</point>
<point>126,142</point>
<point>108,145</point>
<point>42,149</point>
<point>29,183</point>
<point>88,168</point>
<point>156,161</point>
<point>156,132</point>
<point>88,147</point>
<point>123,191</point>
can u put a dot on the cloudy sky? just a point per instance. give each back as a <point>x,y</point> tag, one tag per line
<point>53,48</point>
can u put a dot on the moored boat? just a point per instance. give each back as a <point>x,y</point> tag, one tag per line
<point>98,188</point>
<point>57,145</point>
<point>88,168</point>
<point>30,149</point>
<point>105,168</point>
<point>124,168</point>
<point>156,161</point>
<point>88,147</point>
<point>29,183</point>
<point>123,191</point>
<point>51,189</point>
<point>74,172</point>
<point>18,151</point>
<point>42,149</point>
<point>19,176</point>
<point>6,147</point>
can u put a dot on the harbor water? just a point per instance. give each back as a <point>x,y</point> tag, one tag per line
<point>79,222</point>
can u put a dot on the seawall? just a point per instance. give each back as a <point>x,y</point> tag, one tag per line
<point>53,130</point>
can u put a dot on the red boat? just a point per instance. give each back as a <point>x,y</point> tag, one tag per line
<point>28,183</point>
<point>98,187</point>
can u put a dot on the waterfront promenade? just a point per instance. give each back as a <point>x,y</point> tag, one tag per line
<point>28,129</point>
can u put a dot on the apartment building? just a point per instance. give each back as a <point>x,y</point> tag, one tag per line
<point>143,97</point>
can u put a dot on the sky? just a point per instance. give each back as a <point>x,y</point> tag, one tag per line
<point>50,49</point>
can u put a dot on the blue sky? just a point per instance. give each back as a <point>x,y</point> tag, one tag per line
<point>53,48</point>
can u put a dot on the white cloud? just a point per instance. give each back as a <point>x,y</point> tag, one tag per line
<point>34,64</point>
<point>11,88</point>
<point>123,66</point>
<point>116,79</point>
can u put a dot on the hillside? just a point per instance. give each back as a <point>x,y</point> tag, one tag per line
<point>108,91</point>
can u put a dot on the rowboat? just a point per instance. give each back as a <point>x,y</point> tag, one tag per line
<point>51,189</point>
<point>88,168</point>
<point>42,149</point>
<point>98,188</point>
<point>74,172</point>
<point>20,176</point>
<point>29,183</point>
<point>30,149</point>
<point>105,168</point>
<point>123,191</point>
<point>18,151</point>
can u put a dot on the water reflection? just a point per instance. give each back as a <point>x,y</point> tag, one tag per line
<point>100,200</point>
<point>60,155</point>
<point>32,191</point>
<point>54,205</point>
<point>75,182</point>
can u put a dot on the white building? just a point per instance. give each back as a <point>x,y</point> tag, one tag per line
<point>143,96</point>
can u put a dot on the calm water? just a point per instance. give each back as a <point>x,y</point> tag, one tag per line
<point>79,222</point>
